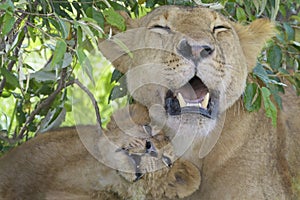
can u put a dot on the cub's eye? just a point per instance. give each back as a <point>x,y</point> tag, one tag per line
<point>220,28</point>
<point>160,29</point>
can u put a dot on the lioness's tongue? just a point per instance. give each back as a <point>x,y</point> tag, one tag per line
<point>193,94</point>
<point>193,91</point>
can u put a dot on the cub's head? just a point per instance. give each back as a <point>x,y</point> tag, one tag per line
<point>187,65</point>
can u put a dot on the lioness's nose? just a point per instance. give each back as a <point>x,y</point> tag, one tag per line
<point>194,52</point>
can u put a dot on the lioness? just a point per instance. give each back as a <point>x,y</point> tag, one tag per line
<point>187,67</point>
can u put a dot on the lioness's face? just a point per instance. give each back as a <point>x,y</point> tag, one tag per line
<point>185,64</point>
<point>207,67</point>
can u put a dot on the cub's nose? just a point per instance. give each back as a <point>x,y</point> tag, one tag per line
<point>194,52</point>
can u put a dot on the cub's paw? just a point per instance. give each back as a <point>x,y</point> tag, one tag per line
<point>182,180</point>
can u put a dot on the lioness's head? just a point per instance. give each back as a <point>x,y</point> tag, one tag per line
<point>187,65</point>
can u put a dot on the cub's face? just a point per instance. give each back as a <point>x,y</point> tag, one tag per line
<point>186,65</point>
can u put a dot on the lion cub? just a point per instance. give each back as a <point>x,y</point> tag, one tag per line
<point>156,172</point>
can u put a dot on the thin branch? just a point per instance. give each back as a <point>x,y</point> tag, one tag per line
<point>94,102</point>
<point>35,14</point>
<point>17,23</point>
<point>47,102</point>
<point>51,98</point>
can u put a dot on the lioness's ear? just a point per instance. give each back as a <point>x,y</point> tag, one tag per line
<point>253,37</point>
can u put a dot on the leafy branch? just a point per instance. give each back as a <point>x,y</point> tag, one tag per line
<point>47,102</point>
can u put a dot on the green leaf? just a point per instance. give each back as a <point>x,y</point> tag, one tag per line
<point>295,17</point>
<point>274,57</point>
<point>79,35</point>
<point>53,118</point>
<point>275,94</point>
<point>262,74</point>
<point>96,15</point>
<point>20,115</point>
<point>290,33</point>
<point>38,87</point>
<point>252,97</point>
<point>7,5</point>
<point>60,50</point>
<point>67,60</point>
<point>119,90</point>
<point>114,19</point>
<point>241,15</point>
<point>5,94</point>
<point>283,71</point>
<point>86,4</point>
<point>64,28</point>
<point>32,33</point>
<point>8,23</point>
<point>85,64</point>
<point>20,36</point>
<point>150,3</point>
<point>270,108</point>
<point>262,4</point>
<point>68,106</point>
<point>116,75</point>
<point>42,76</point>
<point>11,79</point>
<point>59,8</point>
<point>275,9</point>
<point>118,6</point>
<point>86,29</point>
<point>282,10</point>
<point>87,45</point>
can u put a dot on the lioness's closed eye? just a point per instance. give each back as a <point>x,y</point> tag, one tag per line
<point>186,69</point>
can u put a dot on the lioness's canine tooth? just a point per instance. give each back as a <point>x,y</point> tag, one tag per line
<point>181,100</point>
<point>205,101</point>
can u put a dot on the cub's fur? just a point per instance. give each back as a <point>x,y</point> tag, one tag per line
<point>121,167</point>
<point>174,51</point>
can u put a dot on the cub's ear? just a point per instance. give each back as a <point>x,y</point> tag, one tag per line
<point>253,37</point>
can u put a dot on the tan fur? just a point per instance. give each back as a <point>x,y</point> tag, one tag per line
<point>240,155</point>
<point>87,174</point>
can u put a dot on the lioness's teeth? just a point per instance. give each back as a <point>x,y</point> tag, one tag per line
<point>194,104</point>
<point>181,100</point>
<point>205,101</point>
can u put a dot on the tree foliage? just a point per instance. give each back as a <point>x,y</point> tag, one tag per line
<point>46,44</point>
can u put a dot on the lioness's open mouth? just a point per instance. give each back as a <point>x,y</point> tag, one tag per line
<point>193,97</point>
